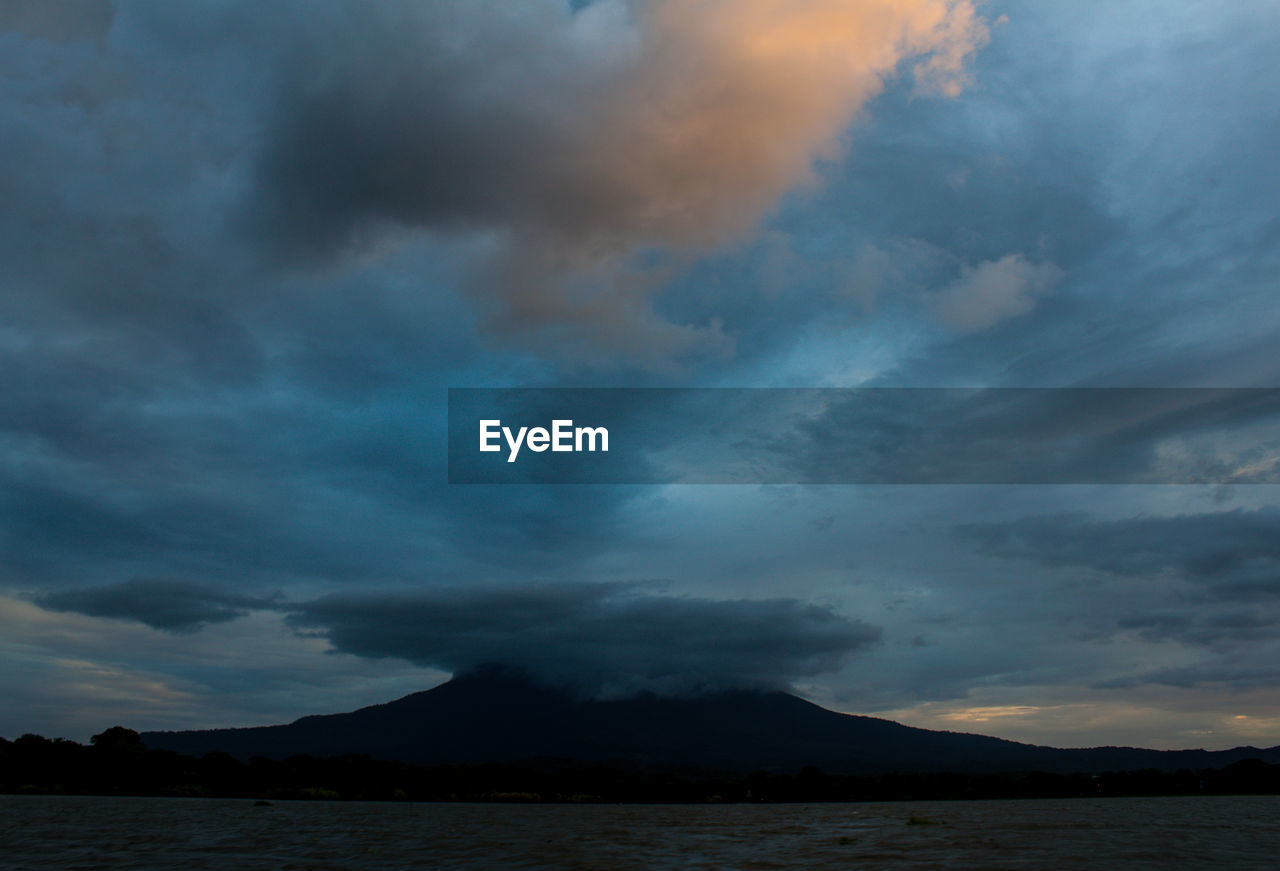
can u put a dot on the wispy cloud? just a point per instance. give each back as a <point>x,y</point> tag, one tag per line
<point>995,291</point>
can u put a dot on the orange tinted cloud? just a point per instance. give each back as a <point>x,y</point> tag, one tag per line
<point>575,141</point>
<point>724,105</point>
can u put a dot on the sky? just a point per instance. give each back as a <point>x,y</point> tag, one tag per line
<point>248,248</point>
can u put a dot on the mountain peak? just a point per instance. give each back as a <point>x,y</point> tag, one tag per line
<point>497,713</point>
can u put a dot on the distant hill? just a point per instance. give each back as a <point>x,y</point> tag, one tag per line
<point>497,715</point>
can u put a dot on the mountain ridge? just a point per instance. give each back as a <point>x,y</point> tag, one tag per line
<point>506,717</point>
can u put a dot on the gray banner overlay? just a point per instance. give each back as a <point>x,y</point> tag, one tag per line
<point>865,436</point>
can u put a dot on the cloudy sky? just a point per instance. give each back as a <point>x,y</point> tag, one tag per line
<point>247,249</point>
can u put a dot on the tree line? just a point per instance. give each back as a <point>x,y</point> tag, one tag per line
<point>116,762</point>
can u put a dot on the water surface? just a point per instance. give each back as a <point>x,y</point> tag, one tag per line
<point>62,832</point>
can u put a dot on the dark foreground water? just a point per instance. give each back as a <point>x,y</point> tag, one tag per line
<point>1238,833</point>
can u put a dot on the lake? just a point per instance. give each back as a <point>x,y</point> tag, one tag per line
<point>70,832</point>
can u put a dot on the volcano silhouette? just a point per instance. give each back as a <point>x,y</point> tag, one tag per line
<point>502,715</point>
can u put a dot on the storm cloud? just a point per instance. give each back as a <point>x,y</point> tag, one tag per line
<point>599,638</point>
<point>1206,581</point>
<point>174,606</point>
<point>587,148</point>
<point>1222,547</point>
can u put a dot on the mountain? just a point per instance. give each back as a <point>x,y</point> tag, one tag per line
<point>496,715</point>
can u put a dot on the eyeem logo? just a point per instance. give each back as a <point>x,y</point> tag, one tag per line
<point>562,437</point>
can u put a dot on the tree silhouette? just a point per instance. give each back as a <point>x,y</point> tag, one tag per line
<point>118,739</point>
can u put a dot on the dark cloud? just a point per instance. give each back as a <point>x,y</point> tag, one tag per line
<point>1016,435</point>
<point>598,637</point>
<point>1205,627</point>
<point>584,143</point>
<point>1227,549</point>
<point>1207,580</point>
<point>174,606</point>
<point>1237,673</point>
